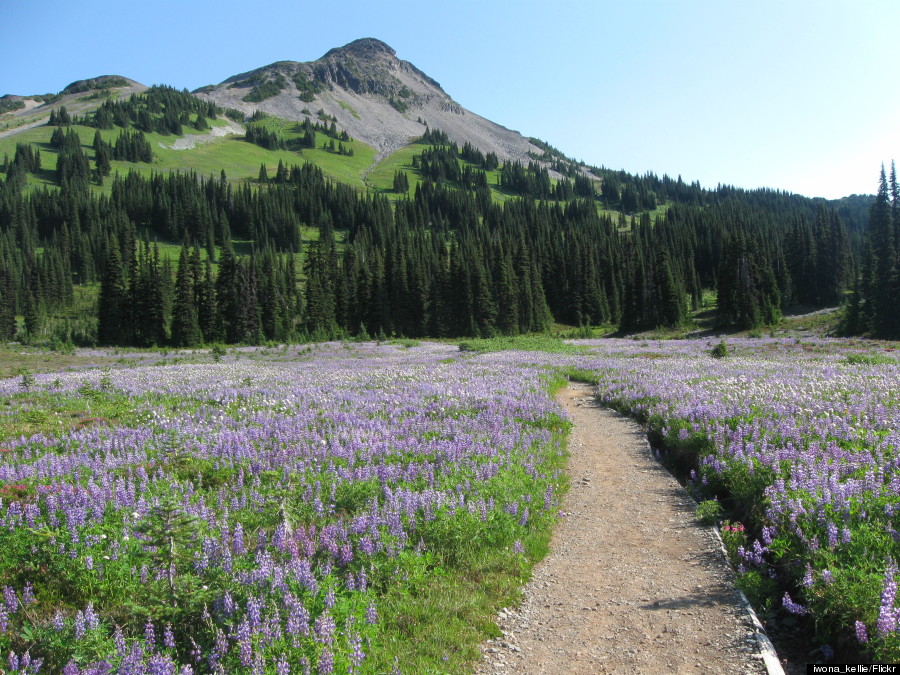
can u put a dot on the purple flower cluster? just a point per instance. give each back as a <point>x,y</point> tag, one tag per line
<point>801,428</point>
<point>309,481</point>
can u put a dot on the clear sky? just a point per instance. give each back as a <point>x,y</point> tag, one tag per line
<point>797,95</point>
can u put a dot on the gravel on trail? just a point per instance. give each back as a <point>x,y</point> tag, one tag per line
<point>632,583</point>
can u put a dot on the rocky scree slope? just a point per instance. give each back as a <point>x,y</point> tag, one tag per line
<point>376,97</point>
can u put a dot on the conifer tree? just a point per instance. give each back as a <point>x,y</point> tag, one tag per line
<point>185,330</point>
<point>113,310</point>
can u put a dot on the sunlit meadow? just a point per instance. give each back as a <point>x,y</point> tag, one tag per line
<point>303,509</point>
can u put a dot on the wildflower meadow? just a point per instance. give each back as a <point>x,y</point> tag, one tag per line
<point>366,508</point>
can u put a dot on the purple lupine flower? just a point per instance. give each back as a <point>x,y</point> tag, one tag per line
<point>808,576</point>
<point>13,662</point>
<point>326,662</point>
<point>119,641</point>
<point>371,614</point>
<point>324,627</point>
<point>792,606</point>
<point>92,621</point>
<point>9,597</point>
<point>59,622</point>
<point>523,519</point>
<point>517,546</point>
<point>149,633</point>
<point>245,645</point>
<point>861,633</point>
<point>887,617</point>
<point>168,637</point>
<point>28,594</point>
<point>228,604</point>
<point>282,667</point>
<point>254,612</point>
<point>356,653</point>
<point>329,597</point>
<point>79,625</point>
<point>237,541</point>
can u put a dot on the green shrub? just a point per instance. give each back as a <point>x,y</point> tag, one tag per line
<point>709,512</point>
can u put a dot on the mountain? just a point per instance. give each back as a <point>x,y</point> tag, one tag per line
<point>79,97</point>
<point>275,176</point>
<point>375,96</point>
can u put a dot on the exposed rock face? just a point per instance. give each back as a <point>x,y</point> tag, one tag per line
<point>375,96</point>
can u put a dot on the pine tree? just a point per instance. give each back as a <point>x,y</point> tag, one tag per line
<point>112,313</point>
<point>7,303</point>
<point>185,330</point>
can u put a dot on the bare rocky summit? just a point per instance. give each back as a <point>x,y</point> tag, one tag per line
<point>376,97</point>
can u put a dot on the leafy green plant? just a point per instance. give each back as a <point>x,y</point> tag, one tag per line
<point>27,381</point>
<point>709,511</point>
<point>733,537</point>
<point>720,351</point>
<point>218,351</point>
<point>871,360</point>
<point>167,532</point>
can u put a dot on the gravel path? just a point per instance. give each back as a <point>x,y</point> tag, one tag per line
<point>632,584</point>
<point>192,140</point>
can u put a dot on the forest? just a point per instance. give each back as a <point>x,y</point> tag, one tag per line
<point>318,259</point>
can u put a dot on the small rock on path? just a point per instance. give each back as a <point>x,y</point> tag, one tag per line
<point>632,584</point>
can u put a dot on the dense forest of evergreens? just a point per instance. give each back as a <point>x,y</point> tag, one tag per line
<point>448,260</point>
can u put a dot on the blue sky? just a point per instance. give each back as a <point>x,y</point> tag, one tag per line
<point>789,94</point>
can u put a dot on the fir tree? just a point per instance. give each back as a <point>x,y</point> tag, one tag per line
<point>185,330</point>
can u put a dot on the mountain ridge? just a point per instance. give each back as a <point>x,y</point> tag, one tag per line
<point>375,96</point>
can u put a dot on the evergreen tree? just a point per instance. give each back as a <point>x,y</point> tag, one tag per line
<point>185,324</point>
<point>113,306</point>
<point>7,303</point>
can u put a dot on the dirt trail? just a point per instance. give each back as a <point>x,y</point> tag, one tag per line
<point>632,584</point>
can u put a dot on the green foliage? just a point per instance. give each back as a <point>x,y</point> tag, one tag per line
<point>720,351</point>
<point>307,87</point>
<point>734,537</point>
<point>537,343</point>
<point>709,512</point>
<point>761,590</point>
<point>168,534</point>
<point>871,360</point>
<point>10,105</point>
<point>264,87</point>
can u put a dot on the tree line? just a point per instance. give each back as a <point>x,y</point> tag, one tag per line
<point>445,261</point>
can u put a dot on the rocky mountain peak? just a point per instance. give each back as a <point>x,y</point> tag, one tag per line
<point>371,94</point>
<point>365,48</point>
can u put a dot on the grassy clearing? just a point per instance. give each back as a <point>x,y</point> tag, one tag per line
<point>534,343</point>
<point>239,159</point>
<point>382,176</point>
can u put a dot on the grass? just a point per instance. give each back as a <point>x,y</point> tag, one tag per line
<point>538,342</point>
<point>346,106</point>
<point>52,414</point>
<point>435,605</point>
<point>239,159</point>
<point>341,167</point>
<point>381,177</point>
<point>18,359</point>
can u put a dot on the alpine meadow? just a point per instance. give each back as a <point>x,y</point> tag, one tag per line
<point>280,359</point>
